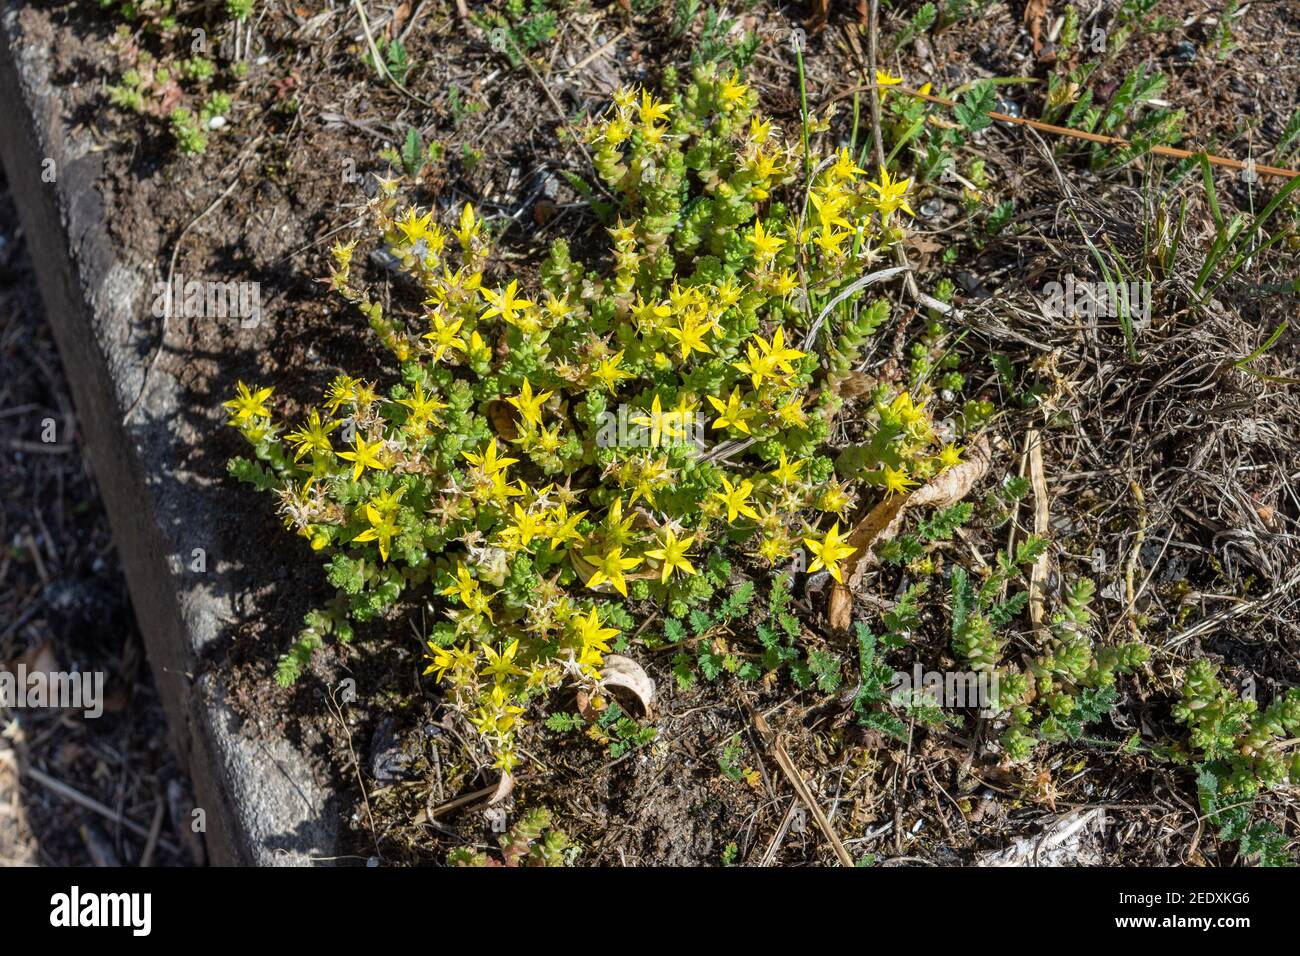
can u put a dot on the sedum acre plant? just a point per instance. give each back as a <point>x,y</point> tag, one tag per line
<point>553,446</point>
<point>1245,746</point>
<point>1068,684</point>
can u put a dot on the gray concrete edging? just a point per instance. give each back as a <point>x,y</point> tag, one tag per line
<point>261,804</point>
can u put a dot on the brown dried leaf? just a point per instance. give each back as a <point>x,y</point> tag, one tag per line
<point>625,678</point>
<point>840,608</point>
<point>169,97</point>
<point>1035,11</point>
<point>587,705</point>
<point>882,522</point>
<point>399,19</point>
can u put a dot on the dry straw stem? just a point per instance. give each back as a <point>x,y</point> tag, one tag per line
<point>1038,481</point>
<point>490,795</point>
<point>801,788</point>
<point>776,746</point>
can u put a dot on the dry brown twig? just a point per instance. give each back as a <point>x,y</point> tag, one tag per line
<point>1169,151</point>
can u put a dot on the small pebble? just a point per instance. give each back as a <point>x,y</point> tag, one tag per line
<point>1185,51</point>
<point>931,208</point>
<point>971,285</point>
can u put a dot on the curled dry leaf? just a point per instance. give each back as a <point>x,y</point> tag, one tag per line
<point>882,522</point>
<point>1035,11</point>
<point>489,795</point>
<point>839,608</point>
<point>587,706</point>
<point>505,786</point>
<point>625,678</point>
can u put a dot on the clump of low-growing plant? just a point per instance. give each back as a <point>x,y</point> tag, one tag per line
<point>1247,748</point>
<point>531,841</point>
<point>190,94</point>
<point>1051,694</point>
<point>734,636</point>
<point>518,27</point>
<point>1057,692</point>
<point>1240,752</point>
<point>552,449</point>
<point>612,727</point>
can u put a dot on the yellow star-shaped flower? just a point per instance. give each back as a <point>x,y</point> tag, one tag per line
<point>672,553</point>
<point>365,455</point>
<point>891,194</point>
<point>529,405</point>
<point>766,245</point>
<point>736,499</point>
<point>733,414</point>
<point>488,461</point>
<point>610,567</point>
<point>247,404</point>
<point>829,552</point>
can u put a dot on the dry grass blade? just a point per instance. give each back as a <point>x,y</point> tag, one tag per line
<point>1038,481</point>
<point>814,808</point>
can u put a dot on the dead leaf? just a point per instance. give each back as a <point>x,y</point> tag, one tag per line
<point>544,211</point>
<point>589,705</point>
<point>882,522</point>
<point>168,97</point>
<point>502,417</point>
<point>622,674</point>
<point>1035,11</point>
<point>505,786</point>
<point>840,608</point>
<point>922,246</point>
<point>399,17</point>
